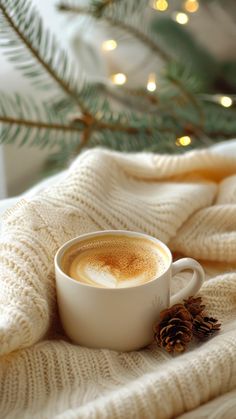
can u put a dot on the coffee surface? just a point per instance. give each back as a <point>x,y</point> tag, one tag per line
<point>114,261</point>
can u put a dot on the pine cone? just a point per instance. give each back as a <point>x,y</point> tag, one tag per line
<point>204,327</point>
<point>194,306</point>
<point>174,329</point>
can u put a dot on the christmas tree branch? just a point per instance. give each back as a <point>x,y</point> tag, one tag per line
<point>141,36</point>
<point>20,30</point>
<point>192,99</point>
<point>37,124</point>
<point>100,6</point>
<point>122,7</point>
<point>92,124</point>
<point>89,127</point>
<point>26,113</point>
<point>75,117</point>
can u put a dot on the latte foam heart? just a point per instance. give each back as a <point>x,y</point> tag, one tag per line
<point>114,261</point>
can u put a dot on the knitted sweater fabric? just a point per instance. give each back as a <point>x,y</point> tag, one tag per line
<point>188,202</point>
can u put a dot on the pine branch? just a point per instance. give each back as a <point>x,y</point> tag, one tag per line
<point>32,122</point>
<point>143,38</point>
<point>23,121</point>
<point>219,122</point>
<point>192,99</point>
<point>174,112</point>
<point>164,101</point>
<point>115,22</point>
<point>118,7</point>
<point>38,124</point>
<point>28,33</point>
<point>100,6</point>
<point>185,49</point>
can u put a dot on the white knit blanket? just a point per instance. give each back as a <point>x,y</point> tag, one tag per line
<point>187,201</point>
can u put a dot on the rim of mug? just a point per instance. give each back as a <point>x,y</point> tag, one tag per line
<point>131,233</point>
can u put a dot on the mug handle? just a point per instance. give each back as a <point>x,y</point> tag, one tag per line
<point>195,283</point>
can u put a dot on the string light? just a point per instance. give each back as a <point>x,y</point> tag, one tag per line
<point>160,5</point>
<point>183,141</point>
<point>191,6</point>
<point>226,101</point>
<point>118,78</point>
<point>151,84</point>
<point>109,45</point>
<point>181,18</point>
<point>99,115</point>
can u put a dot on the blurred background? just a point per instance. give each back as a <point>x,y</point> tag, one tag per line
<point>105,54</point>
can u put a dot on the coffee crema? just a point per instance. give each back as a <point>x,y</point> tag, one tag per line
<point>114,261</point>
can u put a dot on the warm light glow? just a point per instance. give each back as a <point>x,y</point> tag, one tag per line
<point>184,141</point>
<point>118,78</point>
<point>181,18</point>
<point>191,6</point>
<point>226,101</point>
<point>151,84</point>
<point>109,45</point>
<point>160,5</point>
<point>99,115</point>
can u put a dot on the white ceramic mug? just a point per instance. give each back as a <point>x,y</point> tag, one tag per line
<point>118,318</point>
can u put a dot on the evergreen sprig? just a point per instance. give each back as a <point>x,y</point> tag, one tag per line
<point>116,17</point>
<point>34,50</point>
<point>119,8</point>
<point>79,114</point>
<point>25,121</point>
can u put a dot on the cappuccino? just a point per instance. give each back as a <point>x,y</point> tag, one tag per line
<point>114,261</point>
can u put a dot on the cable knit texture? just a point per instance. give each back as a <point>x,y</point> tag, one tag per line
<point>187,201</point>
